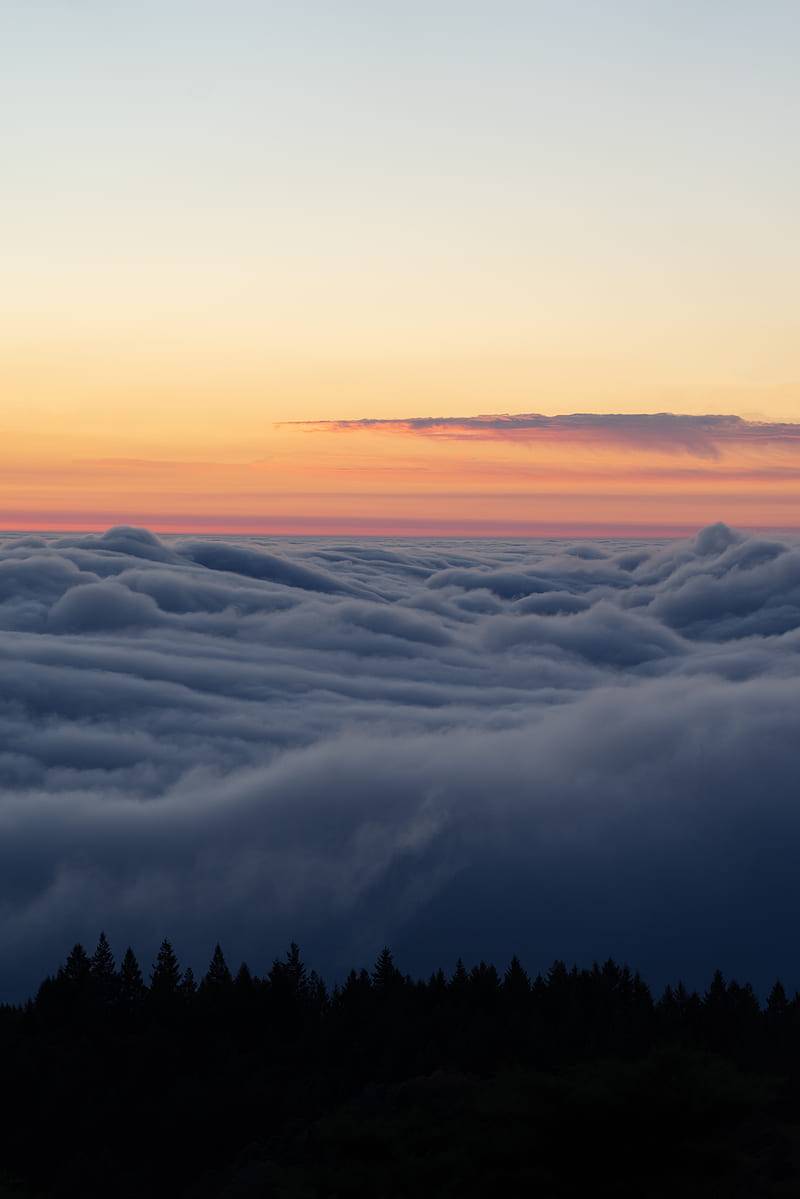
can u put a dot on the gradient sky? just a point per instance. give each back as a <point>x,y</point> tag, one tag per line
<point>219,218</point>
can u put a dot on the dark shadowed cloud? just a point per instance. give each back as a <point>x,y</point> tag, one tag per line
<point>455,747</point>
<point>703,436</point>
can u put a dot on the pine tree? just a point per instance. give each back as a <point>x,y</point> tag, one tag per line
<point>386,978</point>
<point>516,983</point>
<point>717,1023</point>
<point>166,973</point>
<point>558,978</point>
<point>777,1002</point>
<point>745,1005</point>
<point>539,993</point>
<point>484,984</point>
<point>716,997</point>
<point>286,990</point>
<point>437,984</point>
<point>778,1020</point>
<point>460,980</point>
<point>296,971</point>
<point>103,973</point>
<point>77,968</point>
<point>682,999</point>
<point>244,980</point>
<point>130,988</point>
<point>355,998</point>
<point>218,974</point>
<point>187,986</point>
<point>318,992</point>
<point>103,966</point>
<point>73,985</point>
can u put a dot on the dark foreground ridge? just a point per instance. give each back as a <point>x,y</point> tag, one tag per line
<point>574,1084</point>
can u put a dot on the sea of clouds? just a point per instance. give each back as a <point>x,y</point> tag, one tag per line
<point>470,748</point>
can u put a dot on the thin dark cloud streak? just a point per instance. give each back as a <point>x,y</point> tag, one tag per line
<point>701,436</point>
<point>549,747</point>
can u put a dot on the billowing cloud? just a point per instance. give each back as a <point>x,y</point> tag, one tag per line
<point>455,747</point>
<point>702,436</point>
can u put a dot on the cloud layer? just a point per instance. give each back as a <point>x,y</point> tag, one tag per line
<point>475,748</point>
<point>702,436</point>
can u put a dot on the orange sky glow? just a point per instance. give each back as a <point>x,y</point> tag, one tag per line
<point>253,250</point>
<point>474,476</point>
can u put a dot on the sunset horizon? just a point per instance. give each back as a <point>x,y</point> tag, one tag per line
<point>269,271</point>
<point>400,598</point>
<point>504,474</point>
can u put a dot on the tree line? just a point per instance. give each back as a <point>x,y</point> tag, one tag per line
<point>282,1085</point>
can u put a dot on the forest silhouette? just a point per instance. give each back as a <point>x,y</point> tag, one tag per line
<point>573,1083</point>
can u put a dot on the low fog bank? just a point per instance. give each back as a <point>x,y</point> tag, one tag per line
<point>479,748</point>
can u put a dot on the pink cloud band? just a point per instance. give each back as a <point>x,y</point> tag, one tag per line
<point>702,436</point>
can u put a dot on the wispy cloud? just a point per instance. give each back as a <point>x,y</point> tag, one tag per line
<point>703,436</point>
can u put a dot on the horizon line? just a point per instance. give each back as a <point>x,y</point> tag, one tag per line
<point>389,527</point>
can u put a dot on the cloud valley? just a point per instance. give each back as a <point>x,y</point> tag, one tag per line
<point>457,747</point>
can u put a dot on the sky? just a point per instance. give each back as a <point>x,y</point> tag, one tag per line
<point>475,748</point>
<point>233,233</point>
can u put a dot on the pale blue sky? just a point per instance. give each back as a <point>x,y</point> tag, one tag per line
<point>537,181</point>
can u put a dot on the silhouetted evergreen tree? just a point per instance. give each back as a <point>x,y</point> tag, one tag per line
<point>717,1012</point>
<point>218,975</point>
<point>387,981</point>
<point>716,997</point>
<point>103,974</point>
<point>690,1008</point>
<point>744,1022</point>
<point>187,986</point>
<point>286,988</point>
<point>48,1002</point>
<point>283,1075</point>
<point>246,991</point>
<point>438,981</point>
<point>516,983</point>
<point>538,992</point>
<point>558,980</point>
<point>296,971</point>
<point>778,1023</point>
<point>459,983</point>
<point>165,977</point>
<point>66,997</point>
<point>130,986</point>
<point>216,990</point>
<point>640,1016</point>
<point>484,984</point>
<point>777,1002</point>
<point>78,967</point>
<point>103,966</point>
<point>318,992</point>
<point>357,988</point>
<point>244,979</point>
